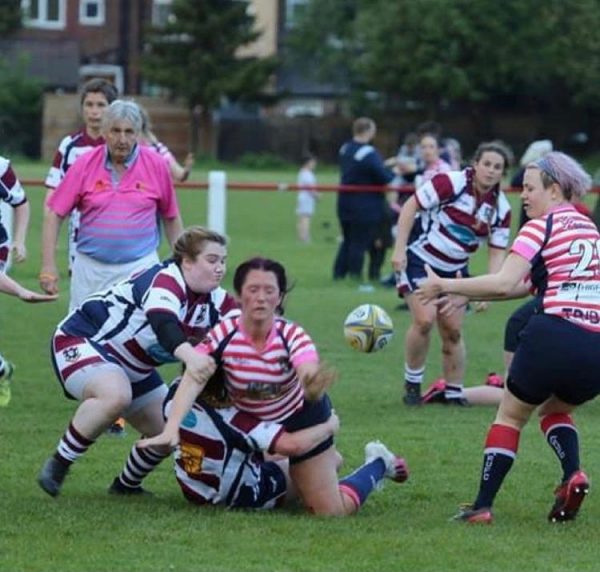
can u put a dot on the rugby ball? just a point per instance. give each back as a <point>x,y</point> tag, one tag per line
<point>368,328</point>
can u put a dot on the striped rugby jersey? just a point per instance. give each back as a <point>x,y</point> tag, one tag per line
<point>454,220</point>
<point>117,318</point>
<point>69,150</point>
<point>219,453</point>
<point>263,382</point>
<point>563,248</point>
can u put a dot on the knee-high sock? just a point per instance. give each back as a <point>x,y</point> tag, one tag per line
<point>500,451</point>
<point>72,446</point>
<point>140,463</point>
<point>561,434</point>
<point>359,484</point>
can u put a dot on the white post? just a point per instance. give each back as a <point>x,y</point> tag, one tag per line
<point>217,201</point>
<point>6,215</point>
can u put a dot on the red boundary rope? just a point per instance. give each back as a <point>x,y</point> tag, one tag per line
<point>233,186</point>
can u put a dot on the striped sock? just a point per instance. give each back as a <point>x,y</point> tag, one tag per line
<point>561,434</point>
<point>140,463</point>
<point>454,391</point>
<point>500,451</point>
<point>359,484</point>
<point>72,446</point>
<point>414,375</point>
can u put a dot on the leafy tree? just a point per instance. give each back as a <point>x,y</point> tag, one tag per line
<point>10,17</point>
<point>197,56</point>
<point>20,109</point>
<point>521,52</point>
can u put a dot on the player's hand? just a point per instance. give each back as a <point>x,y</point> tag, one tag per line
<point>316,384</point>
<point>333,422</point>
<point>49,280</point>
<point>430,288</point>
<point>19,251</point>
<point>34,297</point>
<point>200,367</point>
<point>399,259</point>
<point>163,442</point>
<point>481,306</point>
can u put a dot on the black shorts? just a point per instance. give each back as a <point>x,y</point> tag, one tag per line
<point>415,273</point>
<point>517,321</point>
<point>555,357</point>
<point>312,413</point>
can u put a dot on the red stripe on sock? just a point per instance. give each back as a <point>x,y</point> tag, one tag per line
<point>503,437</point>
<point>351,494</point>
<point>548,421</point>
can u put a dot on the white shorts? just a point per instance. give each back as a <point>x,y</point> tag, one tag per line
<point>90,276</point>
<point>305,205</point>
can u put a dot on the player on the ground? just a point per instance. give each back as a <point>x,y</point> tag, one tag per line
<point>556,364</point>
<point>272,371</point>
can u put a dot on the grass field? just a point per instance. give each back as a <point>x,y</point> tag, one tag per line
<point>404,527</point>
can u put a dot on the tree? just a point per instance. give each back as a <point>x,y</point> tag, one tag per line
<point>197,56</point>
<point>10,17</point>
<point>523,52</point>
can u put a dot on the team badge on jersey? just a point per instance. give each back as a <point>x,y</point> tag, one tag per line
<point>191,458</point>
<point>71,354</point>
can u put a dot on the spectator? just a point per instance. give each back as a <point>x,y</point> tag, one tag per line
<point>307,196</point>
<point>360,213</point>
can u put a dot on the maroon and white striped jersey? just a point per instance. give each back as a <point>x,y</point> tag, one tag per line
<point>117,318</point>
<point>262,382</point>
<point>454,220</point>
<point>11,190</point>
<point>563,248</point>
<point>219,454</point>
<point>69,150</point>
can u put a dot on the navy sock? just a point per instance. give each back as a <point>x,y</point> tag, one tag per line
<point>361,482</point>
<point>499,454</point>
<point>561,434</point>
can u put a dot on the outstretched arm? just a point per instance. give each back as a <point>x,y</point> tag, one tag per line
<point>9,286</point>
<point>187,392</point>
<point>499,286</point>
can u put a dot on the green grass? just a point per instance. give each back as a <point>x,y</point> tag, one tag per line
<point>404,527</point>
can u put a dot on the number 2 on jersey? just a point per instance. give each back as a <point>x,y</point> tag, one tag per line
<point>585,250</point>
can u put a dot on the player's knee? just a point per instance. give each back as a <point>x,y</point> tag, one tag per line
<point>450,338</point>
<point>423,325</point>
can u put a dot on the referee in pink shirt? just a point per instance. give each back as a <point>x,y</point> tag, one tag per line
<point>122,190</point>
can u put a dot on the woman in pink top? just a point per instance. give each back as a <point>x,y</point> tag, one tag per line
<point>271,370</point>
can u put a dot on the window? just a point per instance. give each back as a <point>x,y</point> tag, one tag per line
<point>293,10</point>
<point>161,13</point>
<point>46,14</point>
<point>91,12</point>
